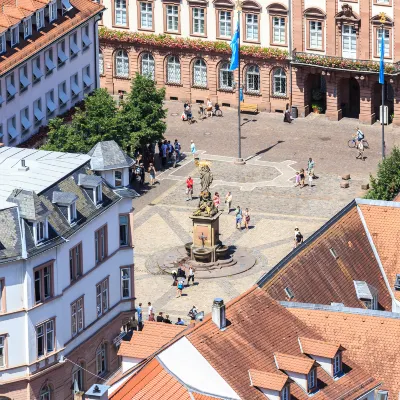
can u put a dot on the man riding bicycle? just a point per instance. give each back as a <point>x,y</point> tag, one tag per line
<point>359,135</point>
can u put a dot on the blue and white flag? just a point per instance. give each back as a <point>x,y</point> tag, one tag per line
<point>382,63</point>
<point>235,43</point>
<point>241,98</point>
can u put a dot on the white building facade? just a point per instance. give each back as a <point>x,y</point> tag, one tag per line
<point>66,274</point>
<point>48,62</point>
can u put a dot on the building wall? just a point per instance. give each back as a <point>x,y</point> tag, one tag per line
<point>26,98</point>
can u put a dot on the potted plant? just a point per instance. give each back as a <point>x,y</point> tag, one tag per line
<point>317,109</point>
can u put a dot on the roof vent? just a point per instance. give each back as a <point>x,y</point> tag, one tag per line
<point>397,283</point>
<point>23,166</point>
<point>333,252</point>
<point>218,313</point>
<point>289,293</point>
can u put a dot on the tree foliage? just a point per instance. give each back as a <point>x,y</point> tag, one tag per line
<point>137,122</point>
<point>386,185</point>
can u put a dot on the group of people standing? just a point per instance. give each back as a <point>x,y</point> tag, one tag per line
<point>169,153</point>
<point>151,316</point>
<point>301,175</point>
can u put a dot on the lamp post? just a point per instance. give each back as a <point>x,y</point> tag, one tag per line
<point>382,20</point>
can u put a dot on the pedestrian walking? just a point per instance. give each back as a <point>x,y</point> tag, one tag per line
<point>311,167</point>
<point>191,276</point>
<point>193,148</point>
<point>228,201</point>
<point>173,158</point>
<point>297,181</point>
<point>177,147</point>
<point>142,174</point>
<point>139,317</point>
<point>360,148</point>
<point>287,117</point>
<point>246,219</point>
<point>302,177</point>
<point>151,317</point>
<point>152,172</point>
<point>167,320</point>
<point>189,188</point>
<point>150,309</point>
<point>216,200</point>
<point>179,322</point>
<point>298,237</point>
<point>179,288</point>
<point>238,214</point>
<point>310,180</point>
<point>160,317</point>
<point>164,149</point>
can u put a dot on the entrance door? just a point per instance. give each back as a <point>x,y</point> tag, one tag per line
<point>349,42</point>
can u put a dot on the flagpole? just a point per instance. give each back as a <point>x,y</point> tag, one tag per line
<point>383,121</point>
<point>239,119</point>
<point>382,80</point>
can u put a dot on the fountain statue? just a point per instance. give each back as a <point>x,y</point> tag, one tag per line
<point>206,207</point>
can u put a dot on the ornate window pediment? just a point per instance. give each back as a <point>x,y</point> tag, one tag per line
<point>250,5</point>
<point>347,14</point>
<point>223,4</point>
<point>277,8</point>
<point>382,18</point>
<point>314,12</point>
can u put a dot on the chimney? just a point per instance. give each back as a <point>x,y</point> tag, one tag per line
<point>218,313</point>
<point>97,392</point>
<point>23,166</point>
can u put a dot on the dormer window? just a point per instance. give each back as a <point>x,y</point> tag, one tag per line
<point>312,379</point>
<point>41,231</point>
<point>72,216</point>
<point>2,43</point>
<point>367,294</point>
<point>337,364</point>
<point>98,195</point>
<point>118,178</point>
<point>285,393</point>
<point>93,187</point>
<point>15,35</point>
<point>66,202</point>
<point>66,6</point>
<point>39,19</point>
<point>27,27</point>
<point>52,11</point>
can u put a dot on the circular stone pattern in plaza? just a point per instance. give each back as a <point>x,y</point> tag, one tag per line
<point>229,172</point>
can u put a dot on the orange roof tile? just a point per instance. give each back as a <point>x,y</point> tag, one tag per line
<point>267,380</point>
<point>30,5</point>
<point>371,341</point>
<point>383,225</point>
<point>301,365</point>
<point>319,347</point>
<point>315,276</point>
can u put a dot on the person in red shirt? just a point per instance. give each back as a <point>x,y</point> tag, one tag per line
<point>189,188</point>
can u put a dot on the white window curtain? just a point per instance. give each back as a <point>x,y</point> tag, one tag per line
<point>225,77</point>
<point>148,65</point>
<point>253,79</point>
<point>279,82</point>
<point>200,73</point>
<point>251,26</point>
<point>122,64</point>
<point>173,70</point>
<point>146,15</point>
<point>120,12</point>
<point>279,30</point>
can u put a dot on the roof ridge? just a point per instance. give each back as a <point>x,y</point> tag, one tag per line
<point>378,203</point>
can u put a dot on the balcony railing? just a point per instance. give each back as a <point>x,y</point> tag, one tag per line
<point>331,62</point>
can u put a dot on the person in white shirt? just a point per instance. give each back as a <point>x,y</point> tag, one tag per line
<point>191,276</point>
<point>150,309</point>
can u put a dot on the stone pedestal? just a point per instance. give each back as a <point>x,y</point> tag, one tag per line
<point>207,227</point>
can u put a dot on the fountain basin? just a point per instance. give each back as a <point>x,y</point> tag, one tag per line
<point>202,255</point>
<point>188,248</point>
<point>222,252</point>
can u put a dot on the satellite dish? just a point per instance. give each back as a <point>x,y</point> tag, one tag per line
<point>199,316</point>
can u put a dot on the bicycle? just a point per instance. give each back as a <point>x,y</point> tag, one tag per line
<point>352,143</point>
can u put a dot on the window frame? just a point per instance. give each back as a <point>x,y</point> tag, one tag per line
<point>147,62</point>
<point>119,54</point>
<point>53,11</point>
<point>115,178</point>
<point>3,346</point>
<point>101,243</point>
<point>102,293</point>
<point>46,395</point>
<point>274,92</point>
<point>85,37</point>
<point>24,114</point>
<point>62,89</point>
<point>128,231</point>
<point>75,263</point>
<point>50,55</point>
<point>102,352</point>
<point>14,40</point>
<point>24,81</point>
<point>272,30</point>
<point>3,303</point>
<point>13,121</point>
<point>10,79</point>
<point>74,81</point>
<point>44,325</point>
<point>126,279</point>
<point>120,10</point>
<point>192,7</point>
<point>377,40</point>
<point>337,364</point>
<point>221,79</point>
<point>72,213</point>
<point>73,43</point>
<point>166,5</point>
<point>168,66</point>
<point>80,371</point>
<point>39,16</point>
<point>27,23</point>
<point>244,24</point>
<point>247,73</point>
<point>139,16</point>
<point>219,11</point>
<point>36,65</point>
<point>350,35</point>
<point>39,105</point>
<point>201,69</point>
<point>40,269</point>
<point>61,52</point>
<point>310,20</point>
<point>3,43</point>
<point>285,393</point>
<point>77,308</point>
<point>312,380</point>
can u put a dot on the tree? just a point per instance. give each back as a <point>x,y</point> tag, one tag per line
<point>96,122</point>
<point>386,185</point>
<point>142,114</point>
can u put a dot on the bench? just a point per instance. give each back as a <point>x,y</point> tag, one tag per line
<point>247,107</point>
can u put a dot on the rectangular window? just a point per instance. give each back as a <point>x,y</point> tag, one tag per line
<point>252,27</point>
<point>36,70</point>
<point>27,27</point>
<point>85,37</point>
<point>77,380</point>
<point>315,35</point>
<point>38,110</point>
<point>312,379</point>
<point>52,11</point>
<point>279,30</point>
<point>77,316</point>
<point>39,19</point>
<point>75,262</point>
<point>75,89</point>
<point>98,194</point>
<point>25,122</point>
<point>198,20</point>
<point>2,43</point>
<point>126,283</point>
<point>120,12</point>
<point>45,338</point>
<point>66,6</point>
<point>102,297</point>
<point>172,18</point>
<point>23,78</point>
<point>87,80</point>
<point>386,42</point>
<point>50,105</point>
<point>2,296</point>
<point>40,231</point>
<point>101,240</point>
<point>62,94</point>
<point>43,283</point>
<point>73,45</point>
<point>2,351</point>
<point>49,61</point>
<point>337,364</point>
<point>61,55</point>
<point>349,42</point>
<point>146,15</point>
<point>225,23</point>
<point>285,393</point>
<point>118,178</point>
<point>72,215</point>
<point>382,395</point>
<point>10,85</point>
<point>12,127</point>
<point>14,35</point>
<point>1,131</point>
<point>101,359</point>
<point>123,230</point>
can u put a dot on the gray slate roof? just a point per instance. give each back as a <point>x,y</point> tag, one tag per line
<point>10,234</point>
<point>91,181</point>
<point>108,155</point>
<point>127,192</point>
<point>64,198</point>
<point>29,203</point>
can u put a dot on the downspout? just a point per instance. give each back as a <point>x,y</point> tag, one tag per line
<point>290,45</point>
<point>97,18</point>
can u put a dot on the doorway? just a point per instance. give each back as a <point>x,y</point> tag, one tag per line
<point>350,96</point>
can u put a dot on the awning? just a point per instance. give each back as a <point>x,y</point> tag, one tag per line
<point>67,5</point>
<point>62,96</point>
<point>37,72</point>
<point>11,129</point>
<point>11,89</point>
<point>87,80</point>
<point>50,104</point>
<point>74,47</point>
<point>23,79</point>
<point>38,113</point>
<point>25,122</point>
<point>85,39</point>
<point>75,88</point>
<point>49,63</point>
<point>62,56</point>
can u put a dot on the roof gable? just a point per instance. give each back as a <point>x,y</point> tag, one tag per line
<point>108,155</point>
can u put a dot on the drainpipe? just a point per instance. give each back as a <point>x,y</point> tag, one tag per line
<point>290,51</point>
<point>97,18</point>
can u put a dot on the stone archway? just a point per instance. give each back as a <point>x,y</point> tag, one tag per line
<point>315,92</point>
<point>350,98</point>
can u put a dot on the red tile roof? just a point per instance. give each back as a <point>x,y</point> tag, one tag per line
<point>287,362</point>
<point>319,347</point>
<point>11,15</point>
<point>315,276</point>
<point>371,341</point>
<point>267,380</point>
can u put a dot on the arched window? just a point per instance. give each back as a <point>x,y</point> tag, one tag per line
<point>200,73</point>
<point>122,64</point>
<point>253,79</point>
<point>101,359</point>
<point>173,70</point>
<point>120,12</point>
<point>101,63</point>
<point>279,82</point>
<point>78,378</point>
<point>45,393</point>
<point>148,66</point>
<point>225,77</point>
